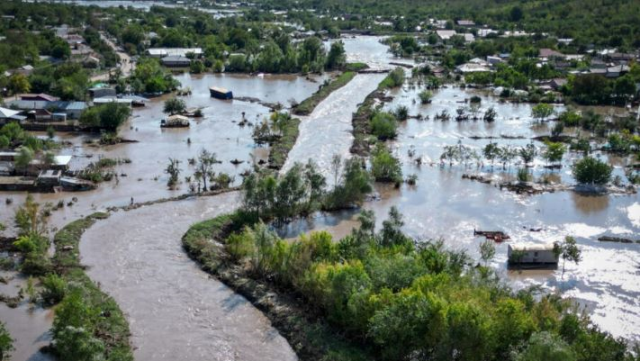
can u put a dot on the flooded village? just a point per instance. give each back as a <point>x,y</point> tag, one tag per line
<point>104,185</point>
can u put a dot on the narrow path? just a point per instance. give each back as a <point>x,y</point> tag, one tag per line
<point>125,64</point>
<point>176,311</point>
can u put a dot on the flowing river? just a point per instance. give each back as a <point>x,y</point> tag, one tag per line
<point>175,310</point>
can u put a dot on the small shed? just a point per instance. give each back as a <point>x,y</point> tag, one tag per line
<point>532,254</point>
<point>99,92</point>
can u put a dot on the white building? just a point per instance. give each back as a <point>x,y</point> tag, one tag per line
<point>164,52</point>
<point>532,254</point>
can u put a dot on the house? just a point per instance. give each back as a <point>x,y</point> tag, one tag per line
<point>39,97</point>
<point>483,33</point>
<point>25,70</point>
<point>466,23</point>
<point>164,52</point>
<point>494,60</point>
<point>546,54</point>
<point>469,38</point>
<point>99,92</point>
<point>49,178</point>
<point>557,83</point>
<point>41,110</point>
<point>175,61</point>
<point>220,93</point>
<point>617,71</point>
<point>473,67</point>
<point>445,34</point>
<point>532,254</point>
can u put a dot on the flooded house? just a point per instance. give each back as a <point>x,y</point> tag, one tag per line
<point>176,61</point>
<point>532,255</point>
<point>175,121</point>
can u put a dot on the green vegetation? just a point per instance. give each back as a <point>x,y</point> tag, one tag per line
<point>395,79</point>
<point>425,96</point>
<point>382,293</point>
<point>384,125</point>
<point>149,77</point>
<point>308,105</point>
<point>6,343</point>
<point>88,324</point>
<point>107,116</point>
<point>31,220</point>
<point>589,170</point>
<point>174,106</point>
<point>384,166</point>
<point>280,132</point>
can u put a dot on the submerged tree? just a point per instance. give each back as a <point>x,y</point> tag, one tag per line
<point>204,167</point>
<point>174,106</point>
<point>568,250</point>
<point>487,251</point>
<point>173,169</point>
<point>592,171</point>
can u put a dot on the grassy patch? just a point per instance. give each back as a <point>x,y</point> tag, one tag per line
<point>110,326</point>
<point>311,337</point>
<point>309,104</point>
<point>281,147</point>
<point>356,67</point>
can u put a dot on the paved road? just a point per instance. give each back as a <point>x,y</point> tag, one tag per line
<point>125,64</point>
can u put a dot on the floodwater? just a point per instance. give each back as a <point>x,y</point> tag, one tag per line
<point>175,310</point>
<point>27,324</point>
<point>443,205</point>
<point>218,131</point>
<point>144,178</point>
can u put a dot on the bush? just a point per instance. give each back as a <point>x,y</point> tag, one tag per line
<point>6,342</point>
<point>54,289</point>
<point>590,170</point>
<point>174,105</point>
<point>393,80</point>
<point>425,96</point>
<point>384,125</point>
<point>384,166</point>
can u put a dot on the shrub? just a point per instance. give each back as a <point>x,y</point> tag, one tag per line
<point>54,289</point>
<point>384,125</point>
<point>384,166</point>
<point>590,170</point>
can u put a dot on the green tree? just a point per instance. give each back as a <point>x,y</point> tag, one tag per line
<point>487,251</point>
<point>554,152</point>
<point>18,83</point>
<point>337,58</point>
<point>528,153</point>
<point>384,166</point>
<point>541,111</point>
<point>592,171</point>
<point>568,250</point>
<point>384,125</point>
<point>173,169</point>
<point>204,167</point>
<point>546,346</point>
<point>174,105</point>
<point>24,157</point>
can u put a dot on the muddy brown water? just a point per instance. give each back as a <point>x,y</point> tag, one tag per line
<point>443,205</point>
<point>175,310</point>
<point>145,179</point>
